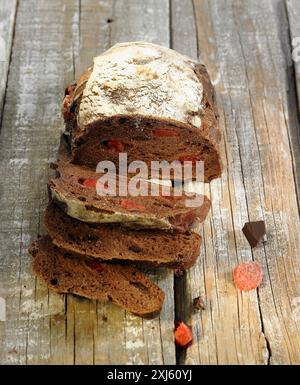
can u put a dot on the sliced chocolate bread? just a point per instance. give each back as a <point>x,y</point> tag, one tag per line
<point>66,272</point>
<point>74,190</point>
<point>109,242</point>
<point>148,101</point>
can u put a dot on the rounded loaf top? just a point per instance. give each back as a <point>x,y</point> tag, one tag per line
<point>142,79</point>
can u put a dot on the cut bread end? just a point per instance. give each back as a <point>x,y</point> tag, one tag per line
<point>66,272</point>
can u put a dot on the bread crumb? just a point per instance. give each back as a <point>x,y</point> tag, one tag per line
<point>198,304</point>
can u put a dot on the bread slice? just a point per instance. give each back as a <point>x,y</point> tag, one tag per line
<point>66,272</point>
<point>81,201</point>
<point>148,101</point>
<point>109,242</point>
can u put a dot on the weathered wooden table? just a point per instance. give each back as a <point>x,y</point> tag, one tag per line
<point>246,46</point>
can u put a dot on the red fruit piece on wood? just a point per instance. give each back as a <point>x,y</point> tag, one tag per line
<point>248,276</point>
<point>183,335</point>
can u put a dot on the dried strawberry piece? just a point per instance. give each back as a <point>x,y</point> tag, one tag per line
<point>89,183</point>
<point>115,145</point>
<point>130,205</point>
<point>165,133</point>
<point>189,158</point>
<point>95,265</point>
<point>248,276</point>
<point>183,334</point>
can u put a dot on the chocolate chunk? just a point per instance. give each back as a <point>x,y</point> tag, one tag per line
<point>254,232</point>
<point>54,281</point>
<point>91,238</point>
<point>135,248</point>
<point>198,304</point>
<point>139,285</point>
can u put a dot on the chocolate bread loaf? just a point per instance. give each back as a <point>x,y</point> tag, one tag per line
<point>148,101</point>
<point>67,272</point>
<point>153,104</point>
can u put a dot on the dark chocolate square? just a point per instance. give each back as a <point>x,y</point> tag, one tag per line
<point>254,232</point>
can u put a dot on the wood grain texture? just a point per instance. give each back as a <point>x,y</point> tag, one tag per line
<point>291,47</point>
<point>7,23</point>
<point>55,41</point>
<point>41,63</point>
<point>293,11</point>
<point>247,49</point>
<point>242,45</point>
<point>184,40</point>
<point>119,336</point>
<point>147,341</point>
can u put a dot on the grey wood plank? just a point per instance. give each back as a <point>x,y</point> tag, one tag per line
<point>214,330</point>
<point>184,29</point>
<point>184,40</point>
<point>7,22</point>
<point>54,42</point>
<point>148,21</point>
<point>293,10</point>
<point>291,46</point>
<point>242,44</point>
<point>119,336</point>
<point>41,64</point>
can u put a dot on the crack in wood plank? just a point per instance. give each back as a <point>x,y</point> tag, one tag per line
<point>184,39</point>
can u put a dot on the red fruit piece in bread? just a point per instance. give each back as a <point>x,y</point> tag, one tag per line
<point>248,276</point>
<point>95,265</point>
<point>124,116</point>
<point>183,335</point>
<point>89,183</point>
<point>130,205</point>
<point>165,133</point>
<point>115,145</point>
